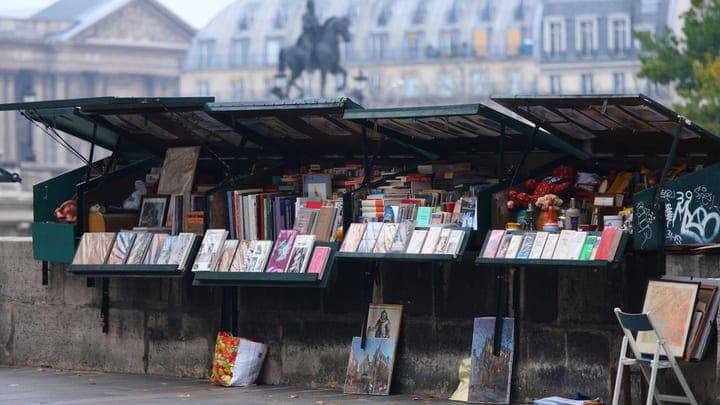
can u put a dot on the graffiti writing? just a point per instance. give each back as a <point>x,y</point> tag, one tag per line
<point>644,218</point>
<point>692,217</point>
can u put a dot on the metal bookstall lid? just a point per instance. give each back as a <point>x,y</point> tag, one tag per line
<point>614,124</point>
<point>468,127</point>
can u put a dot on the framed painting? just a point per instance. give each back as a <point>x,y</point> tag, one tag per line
<point>153,209</point>
<point>671,305</point>
<point>384,320</point>
<point>317,186</point>
<point>370,369</point>
<point>491,370</point>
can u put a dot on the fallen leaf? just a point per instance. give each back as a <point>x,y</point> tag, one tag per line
<point>320,402</point>
<point>14,385</point>
<point>293,396</point>
<point>91,381</point>
<point>435,396</point>
<point>184,396</point>
<point>163,383</point>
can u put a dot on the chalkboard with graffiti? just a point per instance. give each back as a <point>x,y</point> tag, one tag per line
<point>688,207</point>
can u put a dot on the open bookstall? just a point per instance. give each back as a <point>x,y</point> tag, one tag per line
<point>630,129</point>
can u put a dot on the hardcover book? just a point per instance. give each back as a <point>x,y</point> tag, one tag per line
<point>257,256</point>
<point>431,240</point>
<point>139,248</point>
<point>163,256</point>
<point>94,248</point>
<point>280,256</point>
<point>372,232</point>
<point>180,252</point>
<point>240,258</point>
<point>610,240</point>
<point>576,245</point>
<point>353,237</point>
<point>514,246</point>
<point>423,216</point>
<point>495,236</point>
<point>121,247</point>
<point>526,246</point>
<point>455,242</point>
<point>416,241</point>
<point>564,244</point>
<point>550,244</point>
<point>386,237</point>
<point>158,240</point>
<point>538,244</point>
<point>443,240</point>
<point>504,245</point>
<point>402,236</point>
<point>318,261</point>
<point>587,247</point>
<point>300,254</point>
<point>209,252</point>
<point>226,254</point>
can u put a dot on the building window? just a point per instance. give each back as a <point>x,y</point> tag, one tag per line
<point>411,86</point>
<point>203,89</point>
<point>619,82</point>
<point>272,51</point>
<point>618,34</point>
<point>449,42</point>
<point>554,38</point>
<point>454,12</point>
<point>586,40</point>
<point>420,12</point>
<point>478,81</point>
<point>488,11</point>
<point>353,13</point>
<point>413,44</point>
<point>206,49</point>
<point>375,83</point>
<point>239,52</point>
<point>515,82</point>
<point>587,83</point>
<point>649,6</point>
<point>378,45</point>
<point>514,37</point>
<point>446,84</point>
<point>280,18</point>
<point>238,90</point>
<point>385,14</point>
<point>480,42</point>
<point>555,84</point>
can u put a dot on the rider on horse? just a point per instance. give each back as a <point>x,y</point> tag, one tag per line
<point>309,36</point>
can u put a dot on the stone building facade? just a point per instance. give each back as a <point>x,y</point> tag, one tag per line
<point>78,49</point>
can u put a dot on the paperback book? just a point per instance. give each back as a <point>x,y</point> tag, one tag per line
<point>416,241</point>
<point>121,247</point>
<point>301,252</point>
<point>227,254</point>
<point>94,248</point>
<point>318,261</point>
<point>280,256</point>
<point>209,252</point>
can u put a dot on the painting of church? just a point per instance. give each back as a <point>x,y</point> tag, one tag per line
<point>491,371</point>
<point>370,369</point>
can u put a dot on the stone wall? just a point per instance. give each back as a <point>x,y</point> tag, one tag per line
<point>567,338</point>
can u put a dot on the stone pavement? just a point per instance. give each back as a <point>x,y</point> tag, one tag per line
<point>26,385</point>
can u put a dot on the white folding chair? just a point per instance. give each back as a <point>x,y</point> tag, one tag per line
<point>643,322</point>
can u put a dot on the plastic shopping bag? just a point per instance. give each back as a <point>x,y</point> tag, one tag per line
<point>237,361</point>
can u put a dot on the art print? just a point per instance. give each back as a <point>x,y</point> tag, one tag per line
<point>491,367</point>
<point>153,209</point>
<point>671,305</point>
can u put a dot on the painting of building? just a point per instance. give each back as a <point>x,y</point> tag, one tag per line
<point>491,369</point>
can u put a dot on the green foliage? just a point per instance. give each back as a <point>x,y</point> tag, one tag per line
<point>690,63</point>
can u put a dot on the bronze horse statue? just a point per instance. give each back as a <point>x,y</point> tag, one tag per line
<point>325,56</point>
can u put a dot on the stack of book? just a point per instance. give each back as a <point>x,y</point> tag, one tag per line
<point>403,237</point>
<point>565,245</point>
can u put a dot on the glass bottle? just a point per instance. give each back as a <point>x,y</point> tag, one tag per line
<point>529,218</point>
<point>572,216</point>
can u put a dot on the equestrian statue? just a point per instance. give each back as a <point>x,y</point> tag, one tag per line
<point>317,48</point>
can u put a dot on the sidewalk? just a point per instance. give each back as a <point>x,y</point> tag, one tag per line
<point>24,386</point>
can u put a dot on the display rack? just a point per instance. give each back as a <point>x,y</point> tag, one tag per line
<point>264,279</point>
